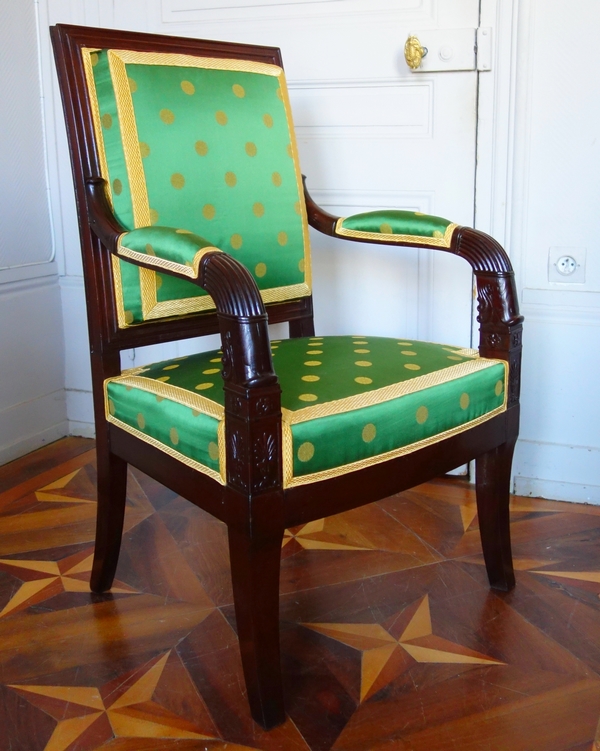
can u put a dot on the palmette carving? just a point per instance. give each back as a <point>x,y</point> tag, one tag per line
<point>237,467</point>
<point>264,455</point>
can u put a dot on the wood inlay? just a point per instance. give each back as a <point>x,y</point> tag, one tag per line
<point>391,638</point>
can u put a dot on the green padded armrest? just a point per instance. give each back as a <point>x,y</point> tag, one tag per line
<point>165,248</point>
<point>389,225</point>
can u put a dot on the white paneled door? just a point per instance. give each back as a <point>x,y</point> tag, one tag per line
<point>372,134</point>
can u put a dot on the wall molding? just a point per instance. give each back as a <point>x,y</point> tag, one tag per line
<point>207,11</point>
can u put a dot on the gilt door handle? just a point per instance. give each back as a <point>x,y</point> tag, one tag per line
<point>414,52</point>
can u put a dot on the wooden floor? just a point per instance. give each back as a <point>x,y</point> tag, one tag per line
<point>391,638</point>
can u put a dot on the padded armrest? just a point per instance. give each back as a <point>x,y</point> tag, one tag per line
<point>397,226</point>
<point>165,249</point>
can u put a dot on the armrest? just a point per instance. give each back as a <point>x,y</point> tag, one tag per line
<point>241,312</point>
<point>499,318</point>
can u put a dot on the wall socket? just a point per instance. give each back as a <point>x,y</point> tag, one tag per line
<point>566,265</point>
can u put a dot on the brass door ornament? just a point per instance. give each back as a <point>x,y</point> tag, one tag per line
<point>414,52</point>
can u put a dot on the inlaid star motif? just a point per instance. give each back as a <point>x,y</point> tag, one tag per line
<point>45,579</point>
<point>49,492</point>
<point>125,708</point>
<point>312,536</point>
<point>388,652</point>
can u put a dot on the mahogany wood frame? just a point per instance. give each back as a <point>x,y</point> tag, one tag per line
<point>253,503</point>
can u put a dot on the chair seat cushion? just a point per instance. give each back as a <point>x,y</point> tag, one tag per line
<point>347,402</point>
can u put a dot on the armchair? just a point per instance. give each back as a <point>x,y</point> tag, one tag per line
<point>194,220</point>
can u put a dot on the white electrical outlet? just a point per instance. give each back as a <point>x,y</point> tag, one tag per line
<point>566,265</point>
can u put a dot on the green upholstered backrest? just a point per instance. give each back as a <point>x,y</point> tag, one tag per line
<point>204,145</point>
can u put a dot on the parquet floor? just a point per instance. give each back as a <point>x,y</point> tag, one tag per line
<point>391,637</point>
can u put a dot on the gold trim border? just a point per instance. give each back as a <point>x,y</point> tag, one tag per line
<point>175,394</point>
<point>151,308</point>
<point>437,242</point>
<point>190,271</point>
<point>326,474</point>
<point>168,450</point>
<point>175,59</point>
<point>388,393</point>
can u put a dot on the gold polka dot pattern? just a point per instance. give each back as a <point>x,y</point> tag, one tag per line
<point>167,116</point>
<point>306,451</point>
<point>369,432</point>
<point>201,148</point>
<point>422,415</point>
<point>177,180</point>
<point>188,88</point>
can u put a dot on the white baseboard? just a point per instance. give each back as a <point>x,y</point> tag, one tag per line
<point>30,425</point>
<point>557,491</point>
<point>559,472</point>
<point>82,429</point>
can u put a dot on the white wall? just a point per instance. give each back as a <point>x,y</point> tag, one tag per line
<point>537,187</point>
<point>32,401</point>
<point>556,201</point>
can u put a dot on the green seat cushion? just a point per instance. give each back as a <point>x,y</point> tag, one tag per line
<point>347,402</point>
<point>398,226</point>
<point>204,145</point>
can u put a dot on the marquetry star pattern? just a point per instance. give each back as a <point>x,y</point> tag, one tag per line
<point>45,579</point>
<point>124,708</point>
<point>389,651</point>
<point>313,536</point>
<point>50,493</point>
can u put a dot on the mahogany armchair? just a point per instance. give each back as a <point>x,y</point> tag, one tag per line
<point>194,220</point>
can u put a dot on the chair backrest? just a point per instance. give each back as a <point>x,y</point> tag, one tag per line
<point>201,141</point>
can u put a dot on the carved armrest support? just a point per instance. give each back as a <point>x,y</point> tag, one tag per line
<point>240,309</point>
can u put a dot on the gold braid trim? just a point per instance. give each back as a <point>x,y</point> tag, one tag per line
<point>86,54</point>
<point>326,474</point>
<point>300,186</point>
<point>176,394</point>
<point>388,393</point>
<point>436,242</point>
<point>167,450</point>
<point>287,450</point>
<point>190,270</point>
<point>131,144</point>
<point>222,451</point>
<point>192,61</point>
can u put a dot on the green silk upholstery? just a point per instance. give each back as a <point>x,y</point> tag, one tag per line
<point>165,248</point>
<point>205,146</point>
<point>398,226</point>
<point>347,402</point>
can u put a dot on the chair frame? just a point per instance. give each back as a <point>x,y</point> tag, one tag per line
<point>253,503</point>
